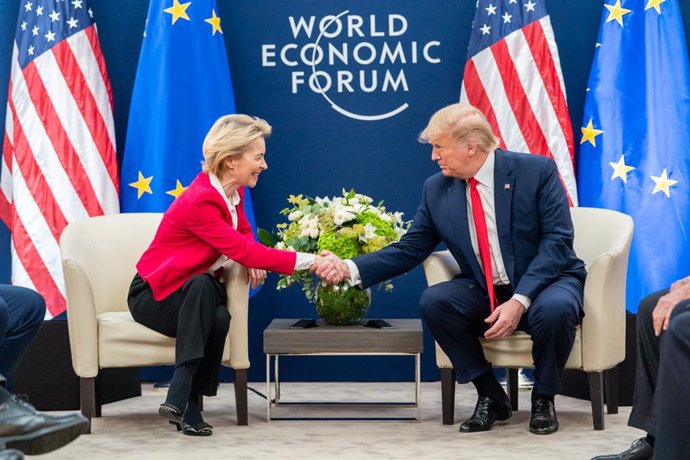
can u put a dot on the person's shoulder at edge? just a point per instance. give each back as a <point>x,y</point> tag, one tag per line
<point>523,156</point>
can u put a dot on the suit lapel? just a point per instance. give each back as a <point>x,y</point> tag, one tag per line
<point>504,183</point>
<point>457,214</point>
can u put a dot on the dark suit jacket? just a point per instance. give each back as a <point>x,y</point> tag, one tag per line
<point>535,230</point>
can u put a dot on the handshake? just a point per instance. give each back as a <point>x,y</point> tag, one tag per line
<point>330,268</point>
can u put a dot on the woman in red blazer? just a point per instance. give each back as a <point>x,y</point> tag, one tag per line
<point>175,290</point>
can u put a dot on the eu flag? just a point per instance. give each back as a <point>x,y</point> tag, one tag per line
<point>635,147</point>
<point>182,86</point>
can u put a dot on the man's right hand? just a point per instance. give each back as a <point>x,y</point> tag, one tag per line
<point>330,268</point>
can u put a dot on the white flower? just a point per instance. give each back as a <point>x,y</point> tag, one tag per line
<point>369,232</point>
<point>310,227</point>
<point>358,208</point>
<point>363,198</point>
<point>294,215</point>
<point>280,245</point>
<point>340,216</point>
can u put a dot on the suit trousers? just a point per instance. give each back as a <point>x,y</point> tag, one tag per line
<point>673,423</point>
<point>22,312</point>
<point>643,413</point>
<point>455,311</point>
<point>196,315</point>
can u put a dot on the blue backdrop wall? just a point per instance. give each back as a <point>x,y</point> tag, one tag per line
<point>321,146</point>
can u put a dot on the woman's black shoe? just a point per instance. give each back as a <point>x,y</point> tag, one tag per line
<point>170,412</point>
<point>198,429</point>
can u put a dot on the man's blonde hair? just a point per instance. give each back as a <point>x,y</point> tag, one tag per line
<point>461,121</point>
<point>229,136</point>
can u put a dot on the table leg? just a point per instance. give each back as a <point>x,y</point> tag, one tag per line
<point>276,377</point>
<point>268,388</point>
<point>418,385</point>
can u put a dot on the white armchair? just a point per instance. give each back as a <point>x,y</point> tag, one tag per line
<point>602,241</point>
<point>98,258</point>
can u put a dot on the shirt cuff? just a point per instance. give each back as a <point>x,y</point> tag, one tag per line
<point>523,299</point>
<point>355,279</point>
<point>304,261</point>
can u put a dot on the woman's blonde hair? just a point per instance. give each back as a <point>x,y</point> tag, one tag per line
<point>229,136</point>
<point>461,121</point>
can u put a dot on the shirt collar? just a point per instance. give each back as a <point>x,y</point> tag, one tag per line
<point>233,200</point>
<point>485,175</point>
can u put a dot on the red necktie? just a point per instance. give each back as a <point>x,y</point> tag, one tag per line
<point>482,240</point>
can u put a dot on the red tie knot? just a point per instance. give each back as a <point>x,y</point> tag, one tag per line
<point>472,181</point>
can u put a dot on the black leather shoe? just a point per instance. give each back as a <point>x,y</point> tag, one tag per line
<point>543,419</point>
<point>486,412</point>
<point>24,428</point>
<point>639,450</point>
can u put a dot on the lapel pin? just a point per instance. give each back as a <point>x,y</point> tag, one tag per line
<point>506,186</point>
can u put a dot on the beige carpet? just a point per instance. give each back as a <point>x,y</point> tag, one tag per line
<point>132,429</point>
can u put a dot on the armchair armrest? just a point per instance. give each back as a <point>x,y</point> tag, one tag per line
<point>81,320</point>
<point>238,305</point>
<point>440,266</point>
<point>603,327</point>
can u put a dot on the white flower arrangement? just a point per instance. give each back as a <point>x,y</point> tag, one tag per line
<point>348,226</point>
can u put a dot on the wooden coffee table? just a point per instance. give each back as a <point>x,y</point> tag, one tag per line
<point>405,338</point>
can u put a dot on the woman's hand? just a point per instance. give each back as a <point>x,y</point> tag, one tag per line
<point>254,275</point>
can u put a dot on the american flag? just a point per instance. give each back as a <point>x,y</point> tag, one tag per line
<point>58,156</point>
<point>513,75</point>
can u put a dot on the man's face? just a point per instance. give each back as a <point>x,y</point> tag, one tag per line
<point>456,159</point>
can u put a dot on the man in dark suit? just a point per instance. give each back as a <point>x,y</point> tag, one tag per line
<point>662,386</point>
<point>505,218</point>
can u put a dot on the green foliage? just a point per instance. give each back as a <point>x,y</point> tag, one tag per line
<point>342,305</point>
<point>345,247</point>
<point>266,238</point>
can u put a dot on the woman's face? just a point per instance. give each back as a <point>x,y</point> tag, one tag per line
<point>246,168</point>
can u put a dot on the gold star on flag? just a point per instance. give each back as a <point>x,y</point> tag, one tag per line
<point>654,4</point>
<point>143,185</point>
<point>177,191</point>
<point>616,12</point>
<point>620,169</point>
<point>663,184</point>
<point>590,134</point>
<point>215,22</point>
<point>178,10</point>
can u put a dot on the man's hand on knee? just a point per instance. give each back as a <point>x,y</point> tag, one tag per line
<point>664,307</point>
<point>505,319</point>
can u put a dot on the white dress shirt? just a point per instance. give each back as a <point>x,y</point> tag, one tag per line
<point>303,260</point>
